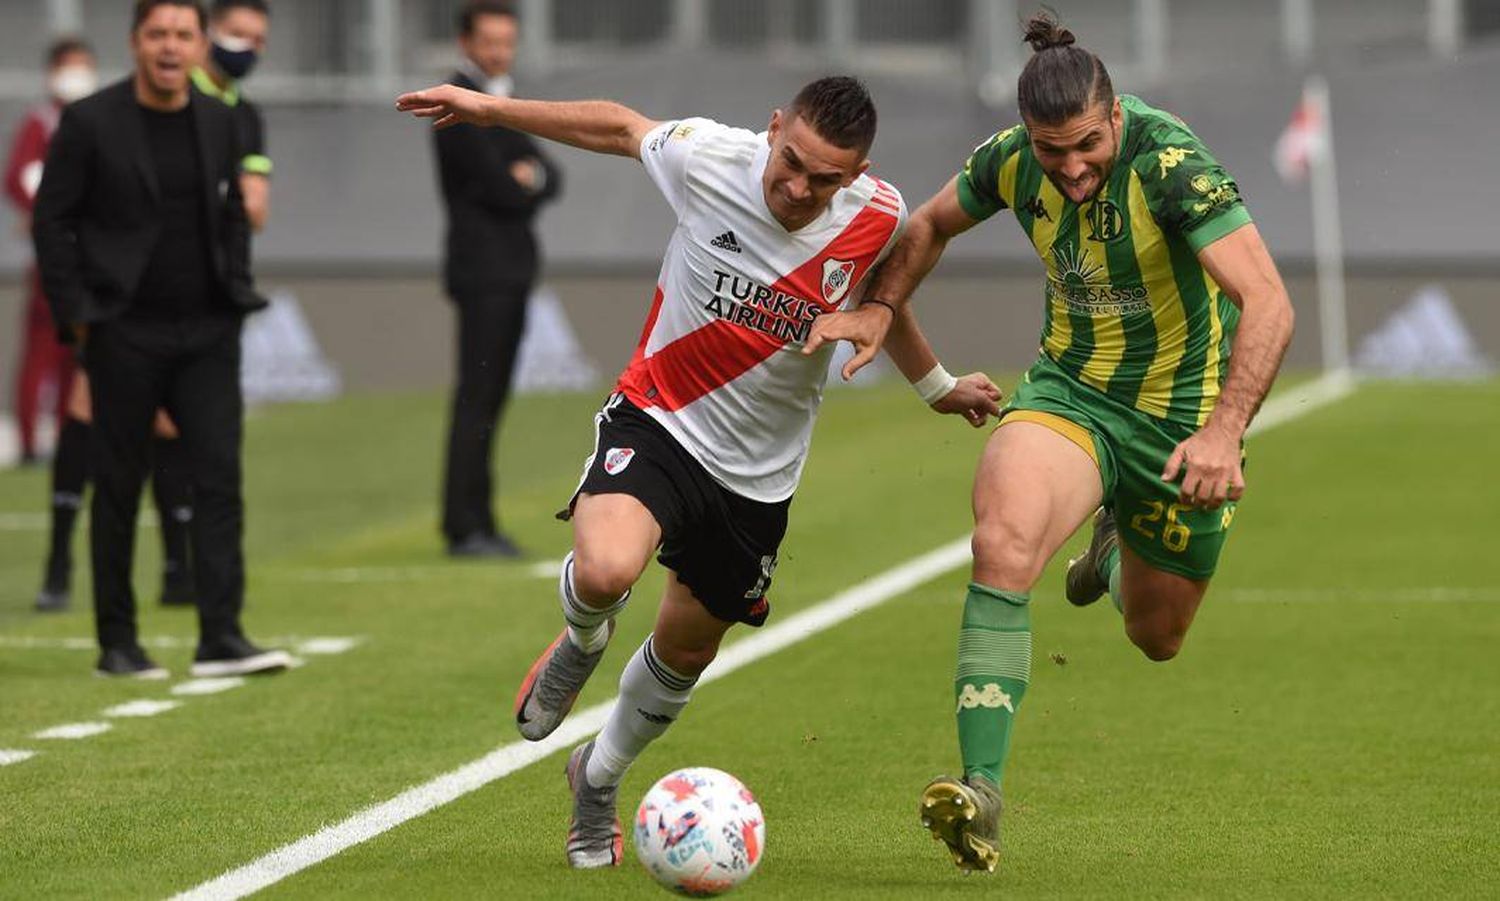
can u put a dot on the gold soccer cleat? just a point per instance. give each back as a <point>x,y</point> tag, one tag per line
<point>965,816</point>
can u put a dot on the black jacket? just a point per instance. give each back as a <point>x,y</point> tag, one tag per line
<point>490,241</point>
<point>98,213</point>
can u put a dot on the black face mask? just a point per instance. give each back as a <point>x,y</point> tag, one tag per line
<point>234,63</point>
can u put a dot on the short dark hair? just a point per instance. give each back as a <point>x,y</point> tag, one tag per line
<point>1060,80</point>
<point>64,46</point>
<point>476,8</point>
<point>220,7</point>
<point>143,9</point>
<point>839,109</point>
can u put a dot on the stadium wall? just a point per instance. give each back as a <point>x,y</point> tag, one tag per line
<point>394,332</point>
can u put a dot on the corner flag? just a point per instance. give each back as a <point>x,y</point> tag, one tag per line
<point>1303,140</point>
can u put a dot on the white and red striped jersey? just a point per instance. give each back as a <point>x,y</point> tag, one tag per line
<point>720,361</point>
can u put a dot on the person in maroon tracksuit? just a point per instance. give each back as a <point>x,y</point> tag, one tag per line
<point>45,363</point>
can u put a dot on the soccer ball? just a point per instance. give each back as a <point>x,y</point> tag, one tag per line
<point>699,832</point>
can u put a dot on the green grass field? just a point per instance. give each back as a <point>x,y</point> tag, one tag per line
<point>1332,728</point>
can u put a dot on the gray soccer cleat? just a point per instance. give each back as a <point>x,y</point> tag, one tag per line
<point>1084,584</point>
<point>552,685</point>
<point>594,835</point>
<point>964,814</point>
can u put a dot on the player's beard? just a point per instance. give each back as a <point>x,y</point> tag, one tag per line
<point>1104,172</point>
<point>1102,179</point>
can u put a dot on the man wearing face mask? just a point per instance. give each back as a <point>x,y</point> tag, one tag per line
<point>70,77</point>
<point>237,35</point>
<point>494,180</point>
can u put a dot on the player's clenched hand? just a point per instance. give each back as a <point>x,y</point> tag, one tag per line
<point>975,397</point>
<point>447,105</point>
<point>864,327</point>
<point>1209,462</point>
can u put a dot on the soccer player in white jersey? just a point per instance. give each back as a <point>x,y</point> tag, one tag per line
<point>701,445</point>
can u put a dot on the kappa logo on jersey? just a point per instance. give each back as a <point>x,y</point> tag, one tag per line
<point>992,695</point>
<point>727,242</point>
<point>617,458</point>
<point>838,275</point>
<point>1170,157</point>
<point>1037,209</point>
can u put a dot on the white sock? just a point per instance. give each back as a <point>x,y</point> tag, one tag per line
<point>651,697</point>
<point>588,627</point>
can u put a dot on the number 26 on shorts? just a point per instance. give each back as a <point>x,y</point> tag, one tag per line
<point>1175,535</point>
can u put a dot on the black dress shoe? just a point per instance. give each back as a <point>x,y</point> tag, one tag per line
<point>53,599</point>
<point>55,593</point>
<point>480,545</point>
<point>128,663</point>
<point>234,655</point>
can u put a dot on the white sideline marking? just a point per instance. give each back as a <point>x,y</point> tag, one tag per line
<point>326,645</point>
<point>30,643</point>
<point>74,730</point>
<point>9,757</point>
<point>1303,399</point>
<point>545,569</point>
<point>142,708</point>
<point>352,575</point>
<point>25,522</point>
<point>207,686</point>
<point>171,642</point>
<point>376,574</point>
<point>41,522</point>
<point>506,759</point>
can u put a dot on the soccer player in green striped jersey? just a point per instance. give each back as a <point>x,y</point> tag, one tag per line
<point>1164,325</point>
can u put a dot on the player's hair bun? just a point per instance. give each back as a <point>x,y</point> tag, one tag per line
<point>1043,32</point>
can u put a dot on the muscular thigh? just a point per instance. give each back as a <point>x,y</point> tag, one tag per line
<point>1033,489</point>
<point>615,529</point>
<point>1159,605</point>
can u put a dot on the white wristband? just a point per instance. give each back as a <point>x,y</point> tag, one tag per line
<point>935,385</point>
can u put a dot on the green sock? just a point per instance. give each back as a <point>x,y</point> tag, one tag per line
<point>994,666</point>
<point>1110,570</point>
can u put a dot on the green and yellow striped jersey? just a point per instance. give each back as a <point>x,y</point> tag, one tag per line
<point>1130,310</point>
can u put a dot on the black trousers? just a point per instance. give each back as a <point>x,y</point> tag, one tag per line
<point>191,367</point>
<point>490,324</point>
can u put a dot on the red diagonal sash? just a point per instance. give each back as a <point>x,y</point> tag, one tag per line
<point>719,352</point>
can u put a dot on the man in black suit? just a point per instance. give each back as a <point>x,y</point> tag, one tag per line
<point>493,182</point>
<point>144,251</point>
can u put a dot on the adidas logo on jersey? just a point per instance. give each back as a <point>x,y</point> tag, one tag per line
<point>726,241</point>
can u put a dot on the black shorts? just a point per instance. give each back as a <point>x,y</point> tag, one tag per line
<point>721,545</point>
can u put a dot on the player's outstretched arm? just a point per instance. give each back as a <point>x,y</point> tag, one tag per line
<point>972,396</point>
<point>927,234</point>
<point>602,126</point>
<point>1242,266</point>
<point>932,226</point>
